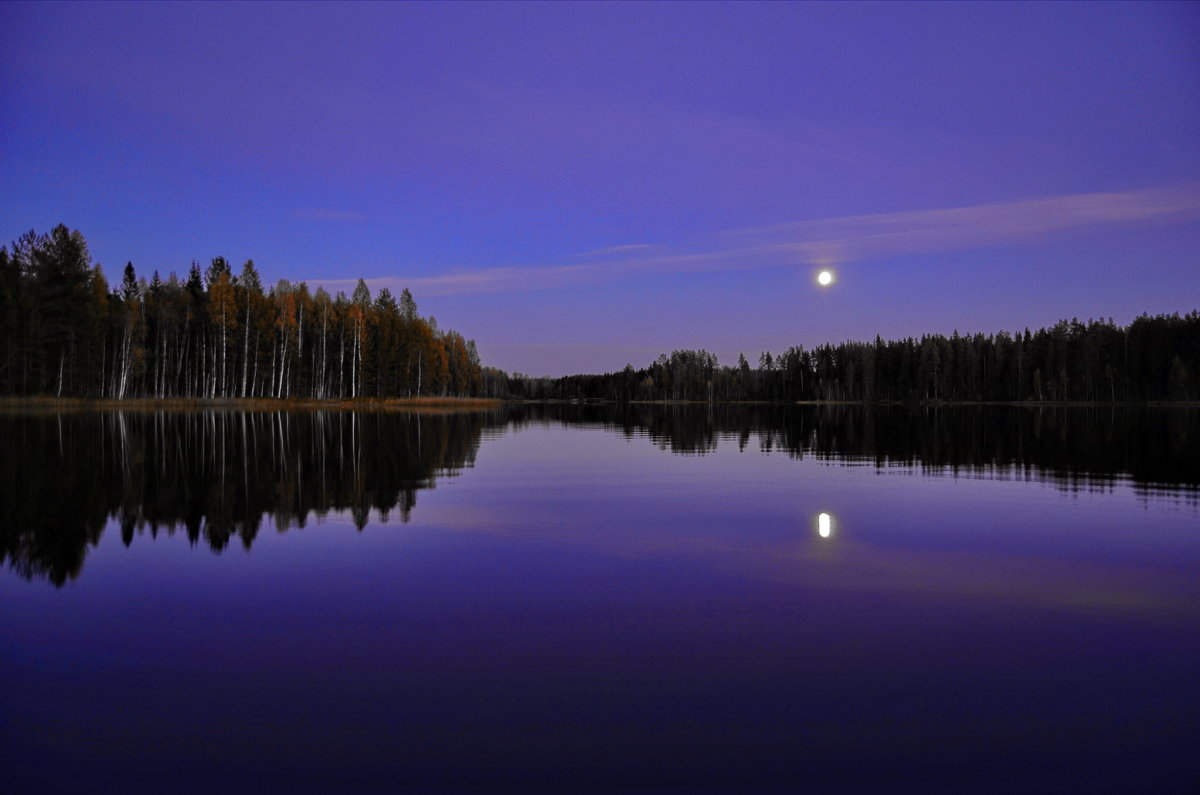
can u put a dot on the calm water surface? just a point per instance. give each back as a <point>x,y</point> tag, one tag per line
<point>646,599</point>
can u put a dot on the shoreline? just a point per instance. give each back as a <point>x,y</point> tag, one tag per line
<point>877,403</point>
<point>428,404</point>
<point>486,404</point>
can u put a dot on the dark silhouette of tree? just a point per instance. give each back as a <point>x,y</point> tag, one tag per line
<point>1155,358</point>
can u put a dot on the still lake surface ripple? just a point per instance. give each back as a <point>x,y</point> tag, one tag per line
<point>722,599</point>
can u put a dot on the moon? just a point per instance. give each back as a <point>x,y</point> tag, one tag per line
<point>825,278</point>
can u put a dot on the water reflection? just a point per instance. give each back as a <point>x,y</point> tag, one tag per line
<point>1079,448</point>
<point>213,475</point>
<point>217,475</point>
<point>581,606</point>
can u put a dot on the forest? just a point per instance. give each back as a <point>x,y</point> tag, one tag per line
<point>216,334</point>
<point>1152,359</point>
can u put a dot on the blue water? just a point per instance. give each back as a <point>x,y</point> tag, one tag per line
<point>575,607</point>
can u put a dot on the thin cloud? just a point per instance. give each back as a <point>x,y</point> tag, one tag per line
<point>625,249</point>
<point>914,232</point>
<point>318,214</point>
<point>488,280</point>
<point>835,240</point>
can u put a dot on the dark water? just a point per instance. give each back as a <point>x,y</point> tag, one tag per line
<point>580,598</point>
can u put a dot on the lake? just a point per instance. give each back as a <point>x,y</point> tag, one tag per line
<point>589,598</point>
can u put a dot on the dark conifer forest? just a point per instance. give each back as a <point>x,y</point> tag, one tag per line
<point>1152,359</point>
<point>65,331</point>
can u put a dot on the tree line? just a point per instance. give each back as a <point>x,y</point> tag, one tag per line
<point>216,333</point>
<point>1153,358</point>
<point>64,332</point>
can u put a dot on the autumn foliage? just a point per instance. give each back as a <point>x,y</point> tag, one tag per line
<point>65,332</point>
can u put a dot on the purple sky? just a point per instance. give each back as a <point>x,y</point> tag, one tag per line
<point>577,186</point>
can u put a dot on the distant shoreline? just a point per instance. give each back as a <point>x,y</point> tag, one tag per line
<point>880,403</point>
<point>484,404</point>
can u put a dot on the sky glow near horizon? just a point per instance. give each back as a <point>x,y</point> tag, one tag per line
<point>578,187</point>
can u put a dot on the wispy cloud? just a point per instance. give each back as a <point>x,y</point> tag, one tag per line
<point>912,232</point>
<point>488,280</point>
<point>320,214</point>
<point>628,248</point>
<point>835,240</point>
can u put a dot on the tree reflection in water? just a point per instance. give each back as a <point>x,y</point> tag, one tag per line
<point>217,474</point>
<point>214,475</point>
<point>1076,447</point>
